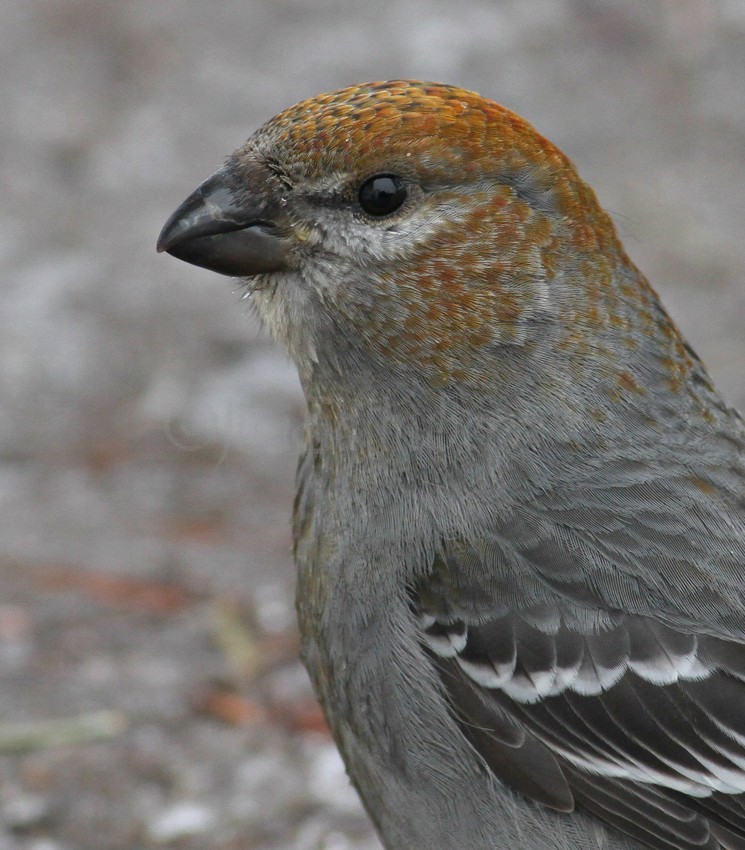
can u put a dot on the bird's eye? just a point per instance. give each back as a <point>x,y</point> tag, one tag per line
<point>382,194</point>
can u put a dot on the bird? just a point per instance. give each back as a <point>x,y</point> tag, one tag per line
<point>519,526</point>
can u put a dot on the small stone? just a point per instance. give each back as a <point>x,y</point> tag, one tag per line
<point>181,820</point>
<point>23,811</point>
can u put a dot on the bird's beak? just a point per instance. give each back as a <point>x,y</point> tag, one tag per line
<point>213,230</point>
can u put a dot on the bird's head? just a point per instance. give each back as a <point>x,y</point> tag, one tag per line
<point>414,226</point>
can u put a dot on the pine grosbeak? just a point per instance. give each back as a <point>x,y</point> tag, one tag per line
<point>520,518</point>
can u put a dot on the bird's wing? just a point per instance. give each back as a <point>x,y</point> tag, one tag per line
<point>592,643</point>
<point>638,722</point>
<point>663,539</point>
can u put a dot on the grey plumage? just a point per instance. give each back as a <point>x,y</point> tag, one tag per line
<point>520,518</point>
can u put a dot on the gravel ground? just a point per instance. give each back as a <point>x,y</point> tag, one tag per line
<point>149,692</point>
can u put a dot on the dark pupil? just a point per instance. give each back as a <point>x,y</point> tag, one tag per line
<point>382,195</point>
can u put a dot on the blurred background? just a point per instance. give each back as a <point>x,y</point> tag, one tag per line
<point>149,692</point>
